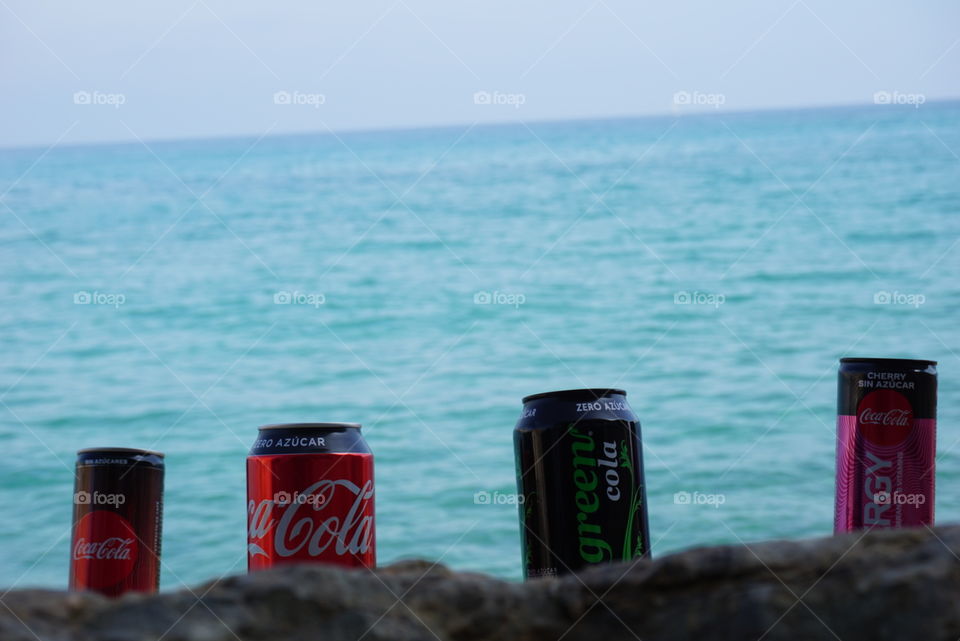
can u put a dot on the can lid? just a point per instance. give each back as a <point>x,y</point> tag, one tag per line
<point>310,426</point>
<point>892,362</point>
<point>119,450</point>
<point>592,394</point>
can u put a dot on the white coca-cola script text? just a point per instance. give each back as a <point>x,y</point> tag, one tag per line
<point>114,547</point>
<point>311,525</point>
<point>894,417</point>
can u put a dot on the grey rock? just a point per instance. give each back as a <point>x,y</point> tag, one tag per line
<point>895,585</point>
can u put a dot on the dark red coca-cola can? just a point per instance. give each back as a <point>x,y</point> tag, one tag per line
<point>310,496</point>
<point>117,521</point>
<point>886,443</point>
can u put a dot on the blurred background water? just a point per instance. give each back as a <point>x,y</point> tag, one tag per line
<point>785,231</point>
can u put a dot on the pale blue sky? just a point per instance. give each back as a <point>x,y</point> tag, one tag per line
<point>200,68</point>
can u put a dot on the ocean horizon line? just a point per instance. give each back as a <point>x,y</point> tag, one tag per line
<point>505,124</point>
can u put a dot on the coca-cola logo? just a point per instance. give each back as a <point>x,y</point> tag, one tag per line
<point>114,547</point>
<point>314,527</point>
<point>894,418</point>
<point>885,417</point>
<point>105,549</point>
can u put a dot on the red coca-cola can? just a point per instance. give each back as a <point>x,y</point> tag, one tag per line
<point>117,521</point>
<point>310,496</point>
<point>886,443</point>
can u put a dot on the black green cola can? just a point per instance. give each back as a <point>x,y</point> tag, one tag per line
<point>580,476</point>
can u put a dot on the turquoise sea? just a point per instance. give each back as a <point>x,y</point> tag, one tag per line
<point>176,295</point>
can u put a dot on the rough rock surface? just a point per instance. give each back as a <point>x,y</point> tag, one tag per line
<point>900,585</point>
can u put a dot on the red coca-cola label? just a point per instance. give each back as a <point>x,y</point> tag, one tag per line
<point>885,417</point>
<point>105,550</point>
<point>310,508</point>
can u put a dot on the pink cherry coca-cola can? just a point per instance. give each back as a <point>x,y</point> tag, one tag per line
<point>886,443</point>
<point>310,496</point>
